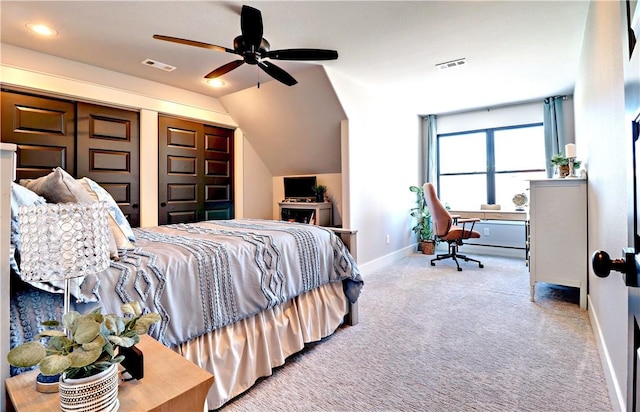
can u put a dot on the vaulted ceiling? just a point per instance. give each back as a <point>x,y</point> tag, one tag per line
<point>514,50</point>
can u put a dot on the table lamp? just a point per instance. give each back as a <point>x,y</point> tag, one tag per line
<point>62,241</point>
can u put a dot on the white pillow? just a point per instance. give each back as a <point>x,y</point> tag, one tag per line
<point>97,194</point>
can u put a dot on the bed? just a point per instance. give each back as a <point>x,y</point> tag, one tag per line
<point>236,297</point>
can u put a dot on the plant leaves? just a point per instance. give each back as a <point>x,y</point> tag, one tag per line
<point>54,364</point>
<point>26,355</point>
<point>80,357</point>
<point>122,341</point>
<point>97,343</point>
<point>86,331</point>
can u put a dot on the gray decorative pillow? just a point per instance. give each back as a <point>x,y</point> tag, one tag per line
<point>58,187</point>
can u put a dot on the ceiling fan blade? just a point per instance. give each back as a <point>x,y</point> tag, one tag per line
<point>193,43</point>
<point>303,54</point>
<point>251,26</point>
<point>224,69</point>
<point>277,73</point>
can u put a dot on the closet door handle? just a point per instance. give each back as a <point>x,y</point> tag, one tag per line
<point>163,204</point>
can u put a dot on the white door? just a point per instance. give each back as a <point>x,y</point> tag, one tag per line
<point>629,263</point>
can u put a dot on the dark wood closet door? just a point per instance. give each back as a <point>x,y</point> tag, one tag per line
<point>109,154</point>
<point>218,173</point>
<point>44,131</point>
<point>195,171</point>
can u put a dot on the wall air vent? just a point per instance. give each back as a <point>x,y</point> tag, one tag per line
<point>451,64</point>
<point>158,65</point>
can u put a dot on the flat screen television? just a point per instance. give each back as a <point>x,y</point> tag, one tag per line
<point>299,187</point>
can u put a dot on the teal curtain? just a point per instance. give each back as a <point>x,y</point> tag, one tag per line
<point>429,149</point>
<point>554,139</point>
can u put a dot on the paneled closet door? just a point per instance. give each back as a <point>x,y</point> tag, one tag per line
<point>43,129</point>
<point>195,171</point>
<point>109,154</point>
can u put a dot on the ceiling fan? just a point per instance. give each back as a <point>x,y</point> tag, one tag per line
<point>254,49</point>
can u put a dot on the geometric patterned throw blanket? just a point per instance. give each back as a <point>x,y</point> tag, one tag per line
<point>202,276</point>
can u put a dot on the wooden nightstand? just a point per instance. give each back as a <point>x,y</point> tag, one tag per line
<point>170,383</point>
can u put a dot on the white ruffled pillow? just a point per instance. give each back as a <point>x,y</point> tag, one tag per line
<point>117,222</point>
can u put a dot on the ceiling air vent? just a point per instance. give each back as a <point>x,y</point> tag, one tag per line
<point>158,65</point>
<point>451,64</point>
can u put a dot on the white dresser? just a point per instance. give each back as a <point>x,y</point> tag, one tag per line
<point>558,234</point>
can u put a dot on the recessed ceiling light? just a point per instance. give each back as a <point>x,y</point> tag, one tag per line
<point>215,82</point>
<point>41,29</point>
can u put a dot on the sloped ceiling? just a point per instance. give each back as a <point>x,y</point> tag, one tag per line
<point>295,130</point>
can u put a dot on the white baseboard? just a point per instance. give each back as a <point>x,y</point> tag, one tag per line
<point>616,393</point>
<point>381,262</point>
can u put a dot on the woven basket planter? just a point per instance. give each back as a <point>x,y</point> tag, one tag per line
<point>92,394</point>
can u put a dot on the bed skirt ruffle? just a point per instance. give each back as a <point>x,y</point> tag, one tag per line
<point>239,354</point>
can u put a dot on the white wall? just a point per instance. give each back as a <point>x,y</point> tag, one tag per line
<point>383,145</point>
<point>601,140</point>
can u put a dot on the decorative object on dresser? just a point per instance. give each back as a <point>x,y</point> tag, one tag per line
<point>520,201</point>
<point>422,228</point>
<point>563,167</point>
<point>558,213</point>
<point>84,353</point>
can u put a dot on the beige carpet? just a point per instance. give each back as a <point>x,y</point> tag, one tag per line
<point>435,339</point>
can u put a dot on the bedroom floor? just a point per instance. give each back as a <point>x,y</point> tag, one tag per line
<point>432,339</point>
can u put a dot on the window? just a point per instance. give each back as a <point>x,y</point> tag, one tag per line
<point>489,166</point>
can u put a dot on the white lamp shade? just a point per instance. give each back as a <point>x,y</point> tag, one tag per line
<point>62,241</point>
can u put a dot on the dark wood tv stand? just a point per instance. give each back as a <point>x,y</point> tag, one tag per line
<point>320,214</point>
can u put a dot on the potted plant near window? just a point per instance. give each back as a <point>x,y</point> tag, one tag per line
<point>561,162</point>
<point>422,228</point>
<point>84,353</point>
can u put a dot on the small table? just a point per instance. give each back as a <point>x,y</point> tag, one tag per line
<point>170,383</point>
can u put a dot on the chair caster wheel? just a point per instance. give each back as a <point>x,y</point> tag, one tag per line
<point>481,266</point>
<point>459,269</point>
<point>433,264</point>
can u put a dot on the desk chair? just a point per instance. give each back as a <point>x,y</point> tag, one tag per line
<point>447,228</point>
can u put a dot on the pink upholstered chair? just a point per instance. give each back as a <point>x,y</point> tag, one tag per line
<point>448,228</point>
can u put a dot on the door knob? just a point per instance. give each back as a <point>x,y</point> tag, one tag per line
<point>163,204</point>
<point>603,264</point>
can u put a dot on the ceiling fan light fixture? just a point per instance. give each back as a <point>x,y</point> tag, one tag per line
<point>215,83</point>
<point>41,29</point>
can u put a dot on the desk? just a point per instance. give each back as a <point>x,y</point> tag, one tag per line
<point>516,215</point>
<point>170,383</point>
<point>504,215</point>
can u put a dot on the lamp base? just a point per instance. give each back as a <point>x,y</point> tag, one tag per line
<point>47,384</point>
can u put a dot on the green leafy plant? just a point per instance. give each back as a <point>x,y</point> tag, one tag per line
<point>319,191</point>
<point>88,346</point>
<point>559,159</point>
<point>422,215</point>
